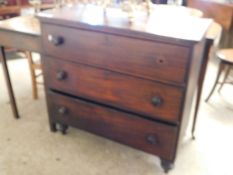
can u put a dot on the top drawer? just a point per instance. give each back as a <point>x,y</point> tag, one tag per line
<point>147,59</point>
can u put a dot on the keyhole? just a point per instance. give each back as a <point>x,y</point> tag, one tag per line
<point>161,60</point>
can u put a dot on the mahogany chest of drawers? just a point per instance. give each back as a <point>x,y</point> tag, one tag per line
<point>128,85</point>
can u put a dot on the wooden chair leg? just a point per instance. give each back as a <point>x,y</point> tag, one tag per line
<point>225,77</point>
<point>33,75</point>
<point>220,69</point>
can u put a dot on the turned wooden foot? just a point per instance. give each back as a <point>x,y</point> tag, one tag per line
<point>53,127</point>
<point>193,136</point>
<point>166,165</point>
<point>62,128</point>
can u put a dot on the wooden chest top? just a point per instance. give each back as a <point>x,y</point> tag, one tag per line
<point>183,29</point>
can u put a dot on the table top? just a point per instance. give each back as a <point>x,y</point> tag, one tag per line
<point>22,24</point>
<point>22,32</point>
<point>226,55</point>
<point>169,21</point>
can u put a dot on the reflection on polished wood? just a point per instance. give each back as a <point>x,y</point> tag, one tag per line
<point>178,24</point>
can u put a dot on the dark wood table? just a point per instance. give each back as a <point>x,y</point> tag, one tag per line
<point>22,33</point>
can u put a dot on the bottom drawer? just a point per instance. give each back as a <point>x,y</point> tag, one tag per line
<point>149,136</point>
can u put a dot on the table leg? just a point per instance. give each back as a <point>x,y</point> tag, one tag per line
<point>205,60</point>
<point>8,82</point>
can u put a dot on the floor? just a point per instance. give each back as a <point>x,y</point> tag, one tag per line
<point>27,147</point>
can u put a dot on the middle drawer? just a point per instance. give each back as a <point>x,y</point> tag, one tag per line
<point>132,94</point>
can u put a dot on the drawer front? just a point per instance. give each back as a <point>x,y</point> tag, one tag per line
<point>152,137</point>
<point>151,60</point>
<point>122,91</point>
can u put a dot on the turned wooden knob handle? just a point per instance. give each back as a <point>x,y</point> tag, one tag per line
<point>55,40</point>
<point>156,101</point>
<point>152,139</point>
<point>61,75</point>
<point>63,110</point>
